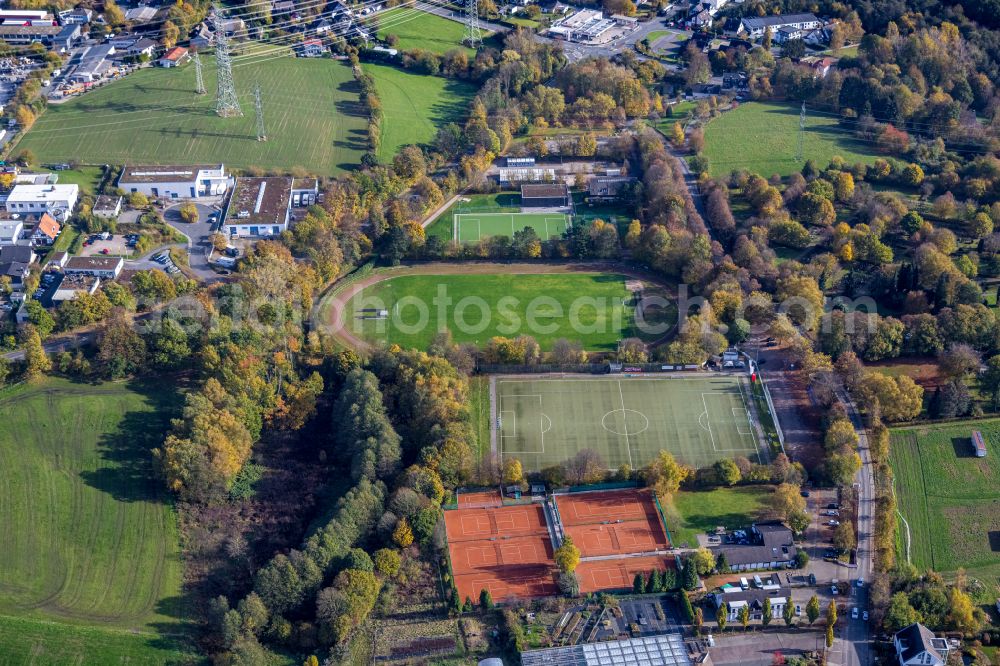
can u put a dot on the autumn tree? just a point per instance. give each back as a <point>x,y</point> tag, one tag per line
<point>567,556</point>
<point>664,474</point>
<point>36,360</point>
<point>812,609</point>
<point>403,534</point>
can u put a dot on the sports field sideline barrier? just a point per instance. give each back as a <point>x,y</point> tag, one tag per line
<point>608,485</point>
<point>663,519</point>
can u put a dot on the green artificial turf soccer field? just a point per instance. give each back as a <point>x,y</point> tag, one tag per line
<point>414,318</point>
<point>626,420</point>
<point>472,227</point>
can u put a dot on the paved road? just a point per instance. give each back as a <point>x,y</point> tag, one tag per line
<point>854,643</point>
<point>197,235</point>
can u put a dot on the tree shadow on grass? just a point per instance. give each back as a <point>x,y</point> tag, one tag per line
<point>129,474</point>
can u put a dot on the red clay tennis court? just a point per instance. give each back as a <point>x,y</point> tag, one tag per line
<point>612,522</point>
<point>506,550</point>
<point>617,574</point>
<point>480,499</point>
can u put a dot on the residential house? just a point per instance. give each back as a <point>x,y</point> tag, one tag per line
<point>108,206</point>
<point>175,182</point>
<point>123,40</point>
<point>57,260</point>
<point>545,196</point>
<point>15,261</point>
<point>26,17</point>
<point>822,66</point>
<point>916,645</point>
<point>106,268</point>
<point>258,208</point>
<point>174,57</point>
<point>311,48</point>
<point>738,598</point>
<point>56,200</point>
<point>202,37</point>
<point>304,191</point>
<point>11,231</point>
<point>606,188</point>
<point>754,27</point>
<point>46,231</point>
<point>789,33</point>
<point>768,545</point>
<point>77,16</point>
<point>144,47</point>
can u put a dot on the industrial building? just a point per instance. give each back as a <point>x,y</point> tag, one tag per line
<point>56,200</point>
<point>175,182</point>
<point>258,207</point>
<point>586,25</point>
<point>663,650</point>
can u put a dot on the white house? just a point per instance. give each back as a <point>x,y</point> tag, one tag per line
<point>175,182</point>
<point>737,598</point>
<point>258,207</point>
<point>754,27</point>
<point>916,645</point>
<point>56,200</point>
<point>10,231</point>
<point>108,206</point>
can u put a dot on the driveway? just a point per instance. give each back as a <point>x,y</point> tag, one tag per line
<point>757,648</point>
<point>197,234</point>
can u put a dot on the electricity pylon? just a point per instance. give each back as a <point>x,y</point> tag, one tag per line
<point>226,103</point>
<point>258,107</point>
<point>802,132</point>
<point>199,81</point>
<point>473,33</point>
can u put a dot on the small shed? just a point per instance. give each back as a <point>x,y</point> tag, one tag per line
<point>978,444</point>
<point>513,491</point>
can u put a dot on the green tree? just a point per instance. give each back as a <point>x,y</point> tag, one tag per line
<point>727,472</point>
<point>831,613</point>
<point>188,213</point>
<point>721,615</point>
<point>36,360</point>
<point>387,562</point>
<point>686,607</point>
<point>812,609</point>
<point>664,474</point>
<point>485,599</point>
<point>829,636</point>
<point>639,584</point>
<point>745,616</point>
<point>788,613</point>
<point>766,612</point>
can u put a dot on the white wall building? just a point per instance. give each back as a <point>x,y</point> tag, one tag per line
<point>56,200</point>
<point>175,182</point>
<point>10,231</point>
<point>258,207</point>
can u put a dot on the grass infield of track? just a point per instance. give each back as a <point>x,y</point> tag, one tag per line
<point>949,497</point>
<point>603,317</point>
<point>472,227</point>
<point>88,539</point>
<point>626,420</point>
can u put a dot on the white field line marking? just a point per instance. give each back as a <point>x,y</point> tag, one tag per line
<point>628,448</point>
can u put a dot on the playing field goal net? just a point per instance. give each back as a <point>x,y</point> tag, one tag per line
<point>471,227</point>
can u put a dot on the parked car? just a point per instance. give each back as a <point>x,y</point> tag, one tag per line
<point>830,552</point>
<point>804,493</point>
<point>864,616</point>
<point>833,523</point>
<point>834,590</point>
<point>854,613</point>
<point>861,582</point>
<point>833,505</point>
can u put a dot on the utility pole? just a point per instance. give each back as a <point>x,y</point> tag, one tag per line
<point>258,108</point>
<point>199,81</point>
<point>473,33</point>
<point>226,103</point>
<point>802,131</point>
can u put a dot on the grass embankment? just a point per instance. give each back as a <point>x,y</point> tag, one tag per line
<point>88,537</point>
<point>763,138</point>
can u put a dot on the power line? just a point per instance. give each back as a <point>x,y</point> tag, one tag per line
<point>226,103</point>
<point>258,108</point>
<point>199,81</point>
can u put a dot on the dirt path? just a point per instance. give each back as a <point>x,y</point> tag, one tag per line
<point>436,213</point>
<point>328,314</point>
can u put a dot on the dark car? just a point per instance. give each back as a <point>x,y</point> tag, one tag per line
<point>833,505</point>
<point>232,252</point>
<point>804,493</point>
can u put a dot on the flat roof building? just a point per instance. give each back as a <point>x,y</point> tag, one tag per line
<point>586,25</point>
<point>545,196</point>
<point>175,182</point>
<point>755,26</point>
<point>258,207</point>
<point>106,268</point>
<point>56,200</point>
<point>662,650</point>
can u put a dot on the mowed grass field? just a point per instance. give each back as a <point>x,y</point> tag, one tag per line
<point>626,420</point>
<point>484,306</point>
<point>699,512</point>
<point>949,497</point>
<point>311,112</point>
<point>88,538</point>
<point>763,138</point>
<point>418,29</point>
<point>416,105</point>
